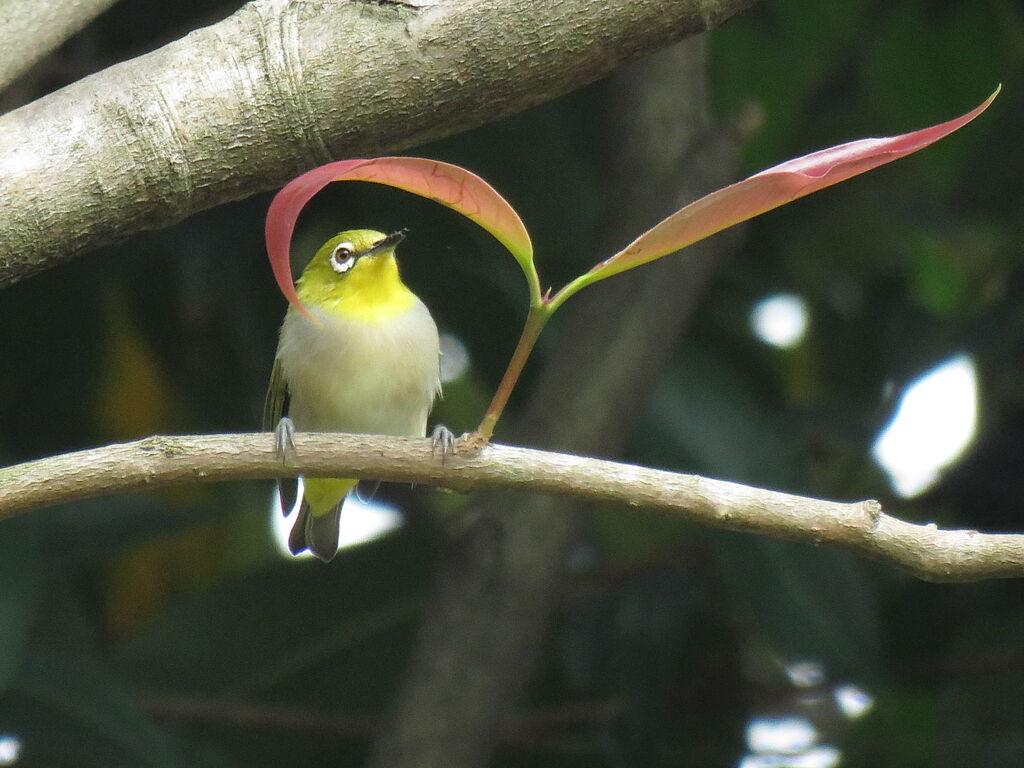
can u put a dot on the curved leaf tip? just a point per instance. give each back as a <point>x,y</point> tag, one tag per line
<point>772,188</point>
<point>281,217</point>
<point>447,184</point>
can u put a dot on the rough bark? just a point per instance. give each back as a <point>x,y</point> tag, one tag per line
<point>243,105</point>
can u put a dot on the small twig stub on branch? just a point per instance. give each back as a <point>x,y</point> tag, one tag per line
<point>924,550</point>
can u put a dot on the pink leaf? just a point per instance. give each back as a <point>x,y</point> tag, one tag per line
<point>771,188</point>
<point>444,183</point>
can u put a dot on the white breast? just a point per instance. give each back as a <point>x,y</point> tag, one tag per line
<point>350,376</point>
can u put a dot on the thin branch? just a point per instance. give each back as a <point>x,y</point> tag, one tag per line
<point>194,710</point>
<point>30,29</point>
<point>522,728</point>
<point>923,549</point>
<point>280,86</point>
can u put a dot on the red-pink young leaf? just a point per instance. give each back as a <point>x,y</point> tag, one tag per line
<point>771,188</point>
<point>447,184</point>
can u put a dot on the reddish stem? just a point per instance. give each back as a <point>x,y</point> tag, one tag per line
<point>535,322</point>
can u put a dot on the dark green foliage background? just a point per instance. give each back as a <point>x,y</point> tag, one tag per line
<point>110,606</point>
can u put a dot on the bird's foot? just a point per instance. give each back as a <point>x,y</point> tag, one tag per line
<point>284,438</point>
<point>442,438</point>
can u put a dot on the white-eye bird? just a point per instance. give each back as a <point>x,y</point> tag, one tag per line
<point>369,362</point>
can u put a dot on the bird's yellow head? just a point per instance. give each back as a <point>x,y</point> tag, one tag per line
<point>355,275</point>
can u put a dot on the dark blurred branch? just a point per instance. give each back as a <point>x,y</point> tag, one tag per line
<point>245,104</point>
<point>193,710</point>
<point>30,29</point>
<point>925,550</point>
<point>521,729</point>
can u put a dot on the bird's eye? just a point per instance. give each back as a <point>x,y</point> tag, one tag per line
<point>343,257</point>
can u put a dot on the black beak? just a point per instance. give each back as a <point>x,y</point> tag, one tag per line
<point>388,242</point>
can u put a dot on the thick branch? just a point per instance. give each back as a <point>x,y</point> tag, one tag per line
<point>862,527</point>
<point>280,86</point>
<point>30,29</point>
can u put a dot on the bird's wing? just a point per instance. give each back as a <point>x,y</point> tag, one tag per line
<point>275,408</point>
<point>276,405</point>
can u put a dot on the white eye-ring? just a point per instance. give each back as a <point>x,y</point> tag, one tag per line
<point>343,257</point>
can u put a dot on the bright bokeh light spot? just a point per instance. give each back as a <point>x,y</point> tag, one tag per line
<point>805,674</point>
<point>934,422</point>
<point>10,749</point>
<point>852,701</point>
<point>780,320</point>
<point>454,357</point>
<point>794,740</point>
<point>824,756</point>
<point>361,521</point>
<point>780,734</point>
